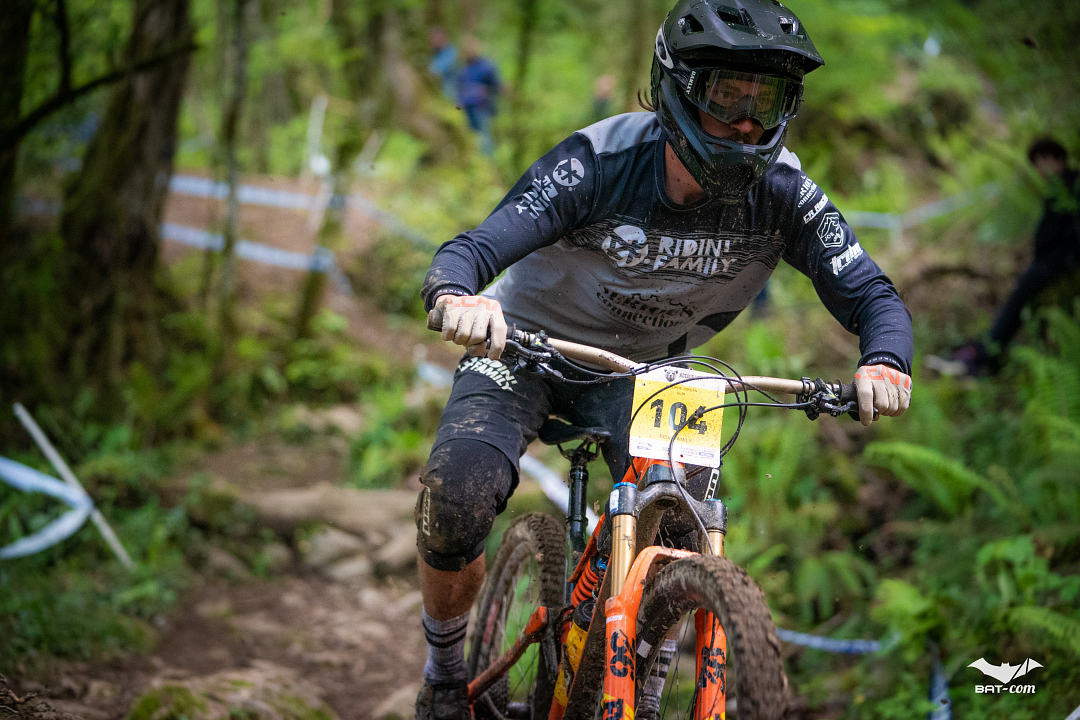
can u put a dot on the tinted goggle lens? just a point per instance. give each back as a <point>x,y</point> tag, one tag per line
<point>728,95</point>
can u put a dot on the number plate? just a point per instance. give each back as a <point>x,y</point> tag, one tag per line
<point>698,443</point>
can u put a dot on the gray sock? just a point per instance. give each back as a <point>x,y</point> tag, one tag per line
<point>445,649</point>
<point>649,705</point>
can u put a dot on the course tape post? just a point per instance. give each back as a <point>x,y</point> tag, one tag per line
<point>27,479</point>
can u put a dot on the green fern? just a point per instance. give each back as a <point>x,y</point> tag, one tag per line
<point>944,480</point>
<point>1053,628</point>
<point>1065,331</point>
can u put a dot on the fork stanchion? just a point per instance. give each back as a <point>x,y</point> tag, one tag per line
<point>621,506</point>
<point>715,521</point>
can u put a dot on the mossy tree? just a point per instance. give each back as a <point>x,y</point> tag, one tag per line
<point>113,208</point>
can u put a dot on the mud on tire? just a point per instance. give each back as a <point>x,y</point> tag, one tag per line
<point>533,547</point>
<point>718,585</point>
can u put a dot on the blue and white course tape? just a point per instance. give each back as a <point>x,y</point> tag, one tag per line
<point>27,479</point>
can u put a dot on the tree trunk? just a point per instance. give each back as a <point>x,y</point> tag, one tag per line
<point>636,51</point>
<point>229,132</point>
<point>520,103</point>
<point>15,39</point>
<point>113,209</point>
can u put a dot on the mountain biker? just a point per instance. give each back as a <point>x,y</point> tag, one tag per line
<point>645,234</point>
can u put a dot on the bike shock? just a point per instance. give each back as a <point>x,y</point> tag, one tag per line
<point>586,586</point>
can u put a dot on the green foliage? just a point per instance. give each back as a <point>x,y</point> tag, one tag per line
<point>75,600</point>
<point>947,482</point>
<point>396,439</point>
<point>1056,630</point>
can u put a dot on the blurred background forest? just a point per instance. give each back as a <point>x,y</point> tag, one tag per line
<point>952,532</point>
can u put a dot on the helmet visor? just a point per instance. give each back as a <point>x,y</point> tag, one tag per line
<point>728,95</point>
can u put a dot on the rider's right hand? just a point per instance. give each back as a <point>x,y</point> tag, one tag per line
<point>471,320</point>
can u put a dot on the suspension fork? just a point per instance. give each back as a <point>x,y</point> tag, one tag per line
<point>629,573</point>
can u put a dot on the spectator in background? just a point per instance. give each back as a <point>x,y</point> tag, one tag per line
<point>1056,253</point>
<point>602,94</point>
<point>443,63</point>
<point>478,86</point>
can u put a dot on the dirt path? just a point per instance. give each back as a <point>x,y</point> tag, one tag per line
<point>358,645</point>
<point>356,642</point>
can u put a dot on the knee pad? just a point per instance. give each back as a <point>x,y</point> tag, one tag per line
<point>466,484</point>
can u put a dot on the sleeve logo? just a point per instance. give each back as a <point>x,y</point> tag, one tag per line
<point>569,173</point>
<point>806,191</point>
<point>829,231</point>
<point>818,207</point>
<point>840,262</point>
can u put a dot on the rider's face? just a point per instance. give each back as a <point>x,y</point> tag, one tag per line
<point>744,130</point>
<point>726,93</point>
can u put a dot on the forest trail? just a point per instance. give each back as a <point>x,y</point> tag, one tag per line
<point>352,646</point>
<point>346,641</point>
<point>358,647</point>
<point>288,229</point>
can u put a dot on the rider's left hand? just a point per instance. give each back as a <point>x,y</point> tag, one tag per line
<point>884,388</point>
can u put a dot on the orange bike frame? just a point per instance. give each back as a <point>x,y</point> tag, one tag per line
<point>621,610</point>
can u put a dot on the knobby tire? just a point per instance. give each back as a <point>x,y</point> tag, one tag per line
<point>534,545</point>
<point>718,585</point>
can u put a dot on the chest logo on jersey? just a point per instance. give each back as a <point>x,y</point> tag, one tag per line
<point>829,231</point>
<point>645,310</point>
<point>569,173</point>
<point>631,248</point>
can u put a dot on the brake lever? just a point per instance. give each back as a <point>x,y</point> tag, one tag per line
<point>824,397</point>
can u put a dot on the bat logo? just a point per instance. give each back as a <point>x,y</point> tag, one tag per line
<point>1005,673</point>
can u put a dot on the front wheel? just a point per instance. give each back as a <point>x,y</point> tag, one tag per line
<point>751,671</point>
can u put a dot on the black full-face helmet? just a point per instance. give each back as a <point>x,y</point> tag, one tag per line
<point>730,59</point>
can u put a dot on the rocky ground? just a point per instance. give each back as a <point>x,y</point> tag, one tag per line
<point>319,621</point>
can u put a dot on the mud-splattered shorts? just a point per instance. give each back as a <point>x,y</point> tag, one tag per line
<point>490,408</point>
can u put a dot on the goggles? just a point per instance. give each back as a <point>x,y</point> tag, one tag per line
<point>728,95</point>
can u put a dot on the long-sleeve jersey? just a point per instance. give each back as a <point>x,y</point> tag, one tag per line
<point>597,253</point>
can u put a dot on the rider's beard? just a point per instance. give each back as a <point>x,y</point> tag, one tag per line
<point>731,134</point>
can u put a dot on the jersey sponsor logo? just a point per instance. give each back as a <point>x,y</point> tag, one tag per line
<point>813,212</point>
<point>829,231</point>
<point>645,310</point>
<point>569,173</point>
<point>537,198</point>
<point>806,191</point>
<point>720,254</point>
<point>493,369</point>
<point>840,262</point>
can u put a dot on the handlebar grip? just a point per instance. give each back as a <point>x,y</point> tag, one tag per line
<point>848,393</point>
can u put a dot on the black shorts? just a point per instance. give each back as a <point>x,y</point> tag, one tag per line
<point>491,404</point>
<point>468,483</point>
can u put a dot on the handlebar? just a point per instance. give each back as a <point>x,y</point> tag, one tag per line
<point>534,351</point>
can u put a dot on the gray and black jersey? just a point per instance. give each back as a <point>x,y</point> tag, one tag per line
<point>597,253</point>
